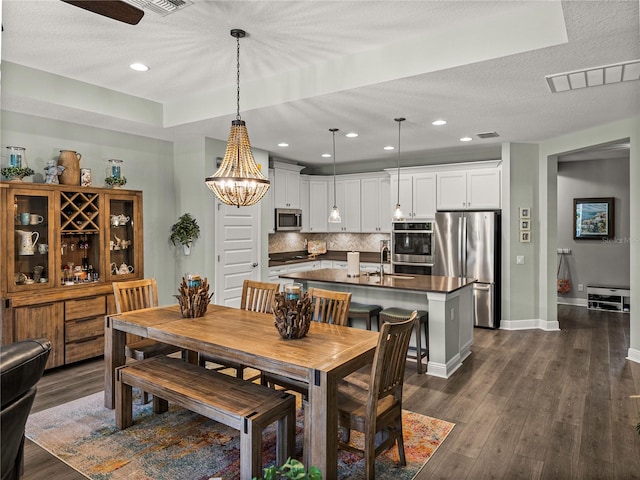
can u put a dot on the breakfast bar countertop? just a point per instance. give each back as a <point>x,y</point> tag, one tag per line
<point>417,283</point>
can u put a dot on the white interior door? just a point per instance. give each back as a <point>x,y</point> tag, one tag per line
<point>237,251</point>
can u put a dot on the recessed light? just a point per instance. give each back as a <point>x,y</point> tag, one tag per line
<point>439,122</point>
<point>139,67</point>
<point>466,139</point>
<point>351,135</point>
<point>389,147</point>
<point>283,144</point>
<point>326,155</point>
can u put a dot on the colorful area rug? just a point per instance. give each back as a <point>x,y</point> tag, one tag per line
<point>181,445</point>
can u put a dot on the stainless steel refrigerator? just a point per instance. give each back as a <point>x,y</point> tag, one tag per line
<point>467,244</point>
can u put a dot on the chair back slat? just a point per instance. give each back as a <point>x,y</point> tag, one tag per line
<point>258,296</point>
<point>329,306</point>
<point>135,294</point>
<point>389,362</point>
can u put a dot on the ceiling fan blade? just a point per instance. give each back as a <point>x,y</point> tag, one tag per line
<point>116,9</point>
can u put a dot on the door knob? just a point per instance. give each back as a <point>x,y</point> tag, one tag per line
<point>255,265</point>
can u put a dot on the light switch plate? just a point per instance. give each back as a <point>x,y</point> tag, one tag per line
<point>520,260</point>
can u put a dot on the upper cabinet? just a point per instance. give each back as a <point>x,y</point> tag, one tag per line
<point>269,201</point>
<point>417,193</point>
<point>348,201</point>
<point>286,193</point>
<point>318,205</point>
<point>472,189</point>
<point>375,204</point>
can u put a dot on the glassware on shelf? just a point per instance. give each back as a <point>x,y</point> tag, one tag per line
<point>115,168</point>
<point>17,157</point>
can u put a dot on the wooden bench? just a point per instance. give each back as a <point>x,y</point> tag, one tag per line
<point>245,406</point>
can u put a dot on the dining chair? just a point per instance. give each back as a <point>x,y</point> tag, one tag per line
<point>257,297</point>
<point>135,295</point>
<point>376,409</point>
<point>328,307</point>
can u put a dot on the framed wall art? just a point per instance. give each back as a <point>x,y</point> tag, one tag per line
<point>525,225</point>
<point>593,218</point>
<point>525,212</point>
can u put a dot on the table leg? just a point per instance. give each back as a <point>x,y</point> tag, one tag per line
<point>323,404</point>
<point>114,342</point>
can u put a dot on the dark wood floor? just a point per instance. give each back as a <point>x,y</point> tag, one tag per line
<point>526,404</point>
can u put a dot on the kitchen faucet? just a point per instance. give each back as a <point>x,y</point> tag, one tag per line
<point>384,255</point>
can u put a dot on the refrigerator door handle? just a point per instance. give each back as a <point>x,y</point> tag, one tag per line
<point>480,286</point>
<point>460,244</point>
<point>463,246</point>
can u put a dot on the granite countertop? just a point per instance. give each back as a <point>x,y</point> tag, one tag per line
<point>420,283</point>
<point>301,256</point>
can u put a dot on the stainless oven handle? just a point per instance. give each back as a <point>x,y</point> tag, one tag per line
<point>413,264</point>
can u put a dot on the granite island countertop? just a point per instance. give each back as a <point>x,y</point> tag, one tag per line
<point>416,283</point>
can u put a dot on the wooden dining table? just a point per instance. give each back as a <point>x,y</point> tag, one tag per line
<point>327,354</point>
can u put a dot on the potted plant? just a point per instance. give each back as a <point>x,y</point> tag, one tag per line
<point>184,231</point>
<point>16,173</point>
<point>292,468</point>
<point>116,182</point>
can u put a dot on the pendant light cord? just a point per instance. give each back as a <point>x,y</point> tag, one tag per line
<point>399,120</point>
<point>238,78</point>
<point>334,168</point>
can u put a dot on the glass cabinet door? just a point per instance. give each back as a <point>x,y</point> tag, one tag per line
<point>124,242</point>
<point>31,240</point>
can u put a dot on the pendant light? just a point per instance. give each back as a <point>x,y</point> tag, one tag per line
<point>334,216</point>
<point>238,181</point>
<point>398,216</point>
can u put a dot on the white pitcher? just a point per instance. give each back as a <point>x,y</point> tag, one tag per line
<point>28,242</point>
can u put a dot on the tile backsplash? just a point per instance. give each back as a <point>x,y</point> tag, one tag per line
<point>294,241</point>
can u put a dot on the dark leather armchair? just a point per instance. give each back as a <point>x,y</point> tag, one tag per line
<point>21,366</point>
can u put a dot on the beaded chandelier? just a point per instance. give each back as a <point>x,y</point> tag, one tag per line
<point>238,181</point>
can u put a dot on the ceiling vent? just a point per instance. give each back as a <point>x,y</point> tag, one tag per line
<point>487,135</point>
<point>161,7</point>
<point>593,77</point>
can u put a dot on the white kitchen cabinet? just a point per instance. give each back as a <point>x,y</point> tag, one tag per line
<point>318,205</point>
<point>304,202</point>
<point>417,194</point>
<point>473,189</point>
<point>275,272</point>
<point>286,185</point>
<point>269,201</point>
<point>376,208</point>
<point>348,202</point>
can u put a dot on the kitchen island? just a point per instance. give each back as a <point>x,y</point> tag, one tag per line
<point>448,300</point>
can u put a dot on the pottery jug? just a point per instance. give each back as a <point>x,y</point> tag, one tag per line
<point>70,160</point>
<point>28,242</point>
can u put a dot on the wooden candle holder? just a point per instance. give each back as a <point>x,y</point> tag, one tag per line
<point>193,300</point>
<point>292,317</point>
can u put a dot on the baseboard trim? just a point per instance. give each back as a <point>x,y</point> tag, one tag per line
<point>633,355</point>
<point>576,302</point>
<point>530,324</point>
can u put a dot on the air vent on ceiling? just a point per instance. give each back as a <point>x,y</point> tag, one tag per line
<point>487,135</point>
<point>595,76</point>
<point>161,7</point>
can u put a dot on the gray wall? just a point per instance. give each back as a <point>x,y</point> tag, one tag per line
<point>594,261</point>
<point>148,166</point>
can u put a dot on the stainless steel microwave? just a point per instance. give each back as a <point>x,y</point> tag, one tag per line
<point>288,219</point>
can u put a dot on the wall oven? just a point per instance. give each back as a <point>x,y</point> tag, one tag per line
<point>412,247</point>
<point>288,219</point>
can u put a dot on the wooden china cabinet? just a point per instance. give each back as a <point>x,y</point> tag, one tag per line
<point>57,263</point>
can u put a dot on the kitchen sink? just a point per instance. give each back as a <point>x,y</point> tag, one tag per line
<point>390,275</point>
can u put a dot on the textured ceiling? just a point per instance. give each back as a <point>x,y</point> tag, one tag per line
<point>307,66</point>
